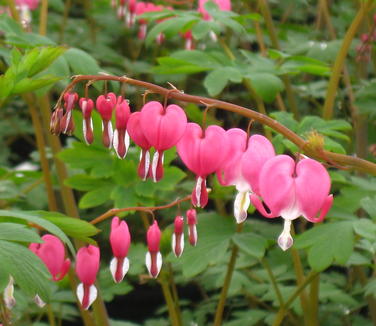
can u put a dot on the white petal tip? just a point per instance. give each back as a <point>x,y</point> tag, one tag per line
<point>118,272</point>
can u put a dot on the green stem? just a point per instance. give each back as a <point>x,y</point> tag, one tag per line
<point>340,59</point>
<point>43,17</point>
<point>50,316</point>
<point>265,11</point>
<point>169,300</point>
<point>299,281</point>
<point>175,294</point>
<point>38,129</point>
<point>226,284</point>
<point>265,263</point>
<point>13,11</point>
<point>314,300</point>
<point>283,310</point>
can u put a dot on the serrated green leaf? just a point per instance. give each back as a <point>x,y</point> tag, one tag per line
<point>96,197</point>
<point>266,85</point>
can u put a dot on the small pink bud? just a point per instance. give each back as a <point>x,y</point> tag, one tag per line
<point>153,257</point>
<point>120,240</point>
<point>87,266</point>
<point>87,106</point>
<point>105,105</point>
<point>192,222</point>
<point>178,236</point>
<point>121,137</point>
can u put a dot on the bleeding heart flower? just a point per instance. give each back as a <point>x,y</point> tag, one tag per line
<point>242,167</point>
<point>153,257</point>
<point>87,266</point>
<point>136,134</point>
<point>9,299</point>
<point>121,137</point>
<point>55,124</point>
<point>163,128</point>
<point>105,105</point>
<point>178,236</point>
<point>120,240</point>
<point>291,190</point>
<point>87,106</point>
<point>192,229</point>
<point>203,154</point>
<point>52,253</point>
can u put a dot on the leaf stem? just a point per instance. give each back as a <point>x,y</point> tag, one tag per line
<point>266,265</point>
<point>226,284</point>
<point>340,59</point>
<point>43,17</point>
<point>169,300</point>
<point>50,315</point>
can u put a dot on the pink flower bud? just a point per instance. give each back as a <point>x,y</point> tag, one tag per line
<point>55,123</point>
<point>178,236</point>
<point>120,240</point>
<point>66,123</point>
<point>105,105</point>
<point>121,137</point>
<point>87,266</point>
<point>87,106</point>
<point>153,257</point>
<point>192,222</point>
<point>52,253</point>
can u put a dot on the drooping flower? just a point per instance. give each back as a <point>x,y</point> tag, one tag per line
<point>87,266</point>
<point>189,45</point>
<point>121,137</point>
<point>66,122</point>
<point>178,236</point>
<point>120,240</point>
<point>153,259</point>
<point>291,190</point>
<point>163,128</point>
<point>203,153</point>
<point>105,105</point>
<point>24,7</point>
<point>192,229</point>
<point>31,4</point>
<point>87,106</point>
<point>242,166</point>
<point>52,253</point>
<point>136,134</point>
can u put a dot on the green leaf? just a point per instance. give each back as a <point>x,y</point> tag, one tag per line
<point>73,227</point>
<point>251,243</point>
<point>368,204</point>
<point>217,79</point>
<point>18,232</point>
<point>46,56</point>
<point>365,228</point>
<point>214,233</point>
<point>85,182</point>
<point>33,217</point>
<point>266,85</point>
<point>327,243</point>
<point>81,62</point>
<point>169,27</point>
<point>96,197</point>
<point>29,85</point>
<point>27,269</point>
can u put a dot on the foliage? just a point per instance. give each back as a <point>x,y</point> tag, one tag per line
<point>287,74</point>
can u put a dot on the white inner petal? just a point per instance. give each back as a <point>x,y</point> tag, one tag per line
<point>198,191</point>
<point>92,294</point>
<point>285,240</point>
<point>147,164</point>
<point>154,165</point>
<point>115,142</point>
<point>39,302</point>
<point>110,133</point>
<point>159,263</point>
<point>148,261</point>
<point>241,205</point>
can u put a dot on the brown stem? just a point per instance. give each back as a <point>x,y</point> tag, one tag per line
<point>43,17</point>
<point>115,211</point>
<point>350,162</point>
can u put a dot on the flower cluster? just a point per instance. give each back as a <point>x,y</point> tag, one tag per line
<point>130,10</point>
<point>52,253</point>
<point>275,184</point>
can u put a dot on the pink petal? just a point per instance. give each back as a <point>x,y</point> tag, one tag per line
<point>259,151</point>
<point>135,131</point>
<point>153,237</point>
<point>87,264</point>
<point>276,183</point>
<point>120,238</point>
<point>162,128</point>
<point>312,187</point>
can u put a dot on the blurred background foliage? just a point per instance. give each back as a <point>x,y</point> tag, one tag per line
<point>283,75</point>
